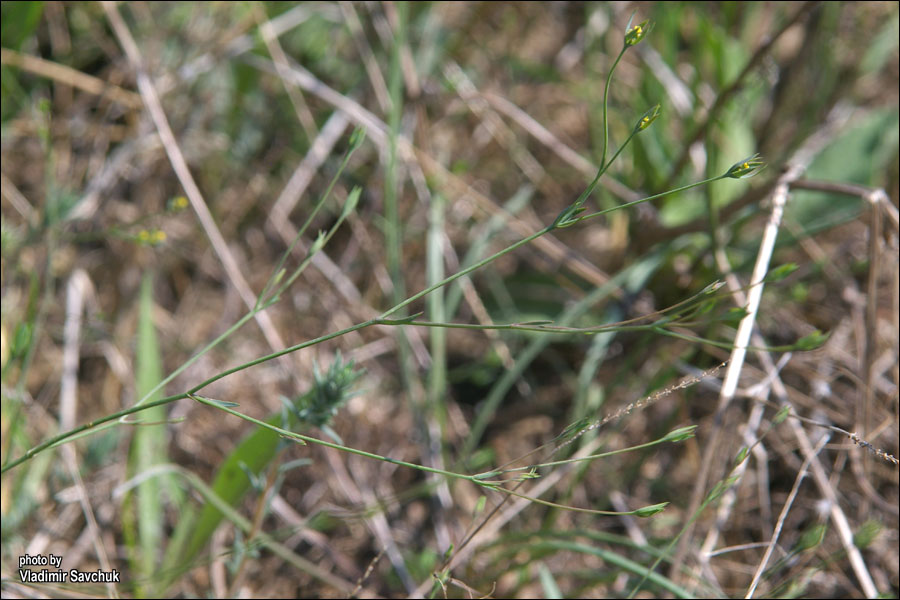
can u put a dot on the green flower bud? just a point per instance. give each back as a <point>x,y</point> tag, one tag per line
<point>636,34</point>
<point>680,434</point>
<point>746,168</point>
<point>357,138</point>
<point>647,118</point>
<point>649,511</point>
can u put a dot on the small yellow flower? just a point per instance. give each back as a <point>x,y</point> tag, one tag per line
<point>178,203</point>
<point>151,237</point>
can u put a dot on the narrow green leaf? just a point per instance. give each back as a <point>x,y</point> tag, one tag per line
<point>278,277</point>
<point>352,201</point>
<point>734,314</point>
<point>548,582</point>
<point>812,537</point>
<point>404,321</point>
<point>866,534</point>
<point>812,341</point>
<point>295,464</point>
<point>568,215</point>
<point>318,243</point>
<point>781,415</point>
<point>573,429</point>
<point>21,339</point>
<point>779,273</point>
<point>479,506</point>
<point>222,403</point>
<point>720,488</point>
<point>617,561</point>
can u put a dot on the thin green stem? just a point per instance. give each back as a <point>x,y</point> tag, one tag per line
<point>503,326</point>
<point>619,151</point>
<point>605,100</point>
<point>260,304</point>
<point>610,513</point>
<point>642,200</point>
<point>318,244</point>
<point>355,143</point>
<point>566,217</point>
<point>590,457</point>
<point>65,436</point>
<point>476,479</point>
<point>58,439</point>
<point>268,357</point>
<point>724,345</point>
<point>299,437</point>
<point>464,272</point>
<point>603,168</point>
<point>382,320</point>
<point>240,323</point>
<point>656,327</point>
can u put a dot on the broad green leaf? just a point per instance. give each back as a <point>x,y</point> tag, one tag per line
<point>252,455</point>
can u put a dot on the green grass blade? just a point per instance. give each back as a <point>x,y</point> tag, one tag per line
<point>144,518</point>
<point>617,560</point>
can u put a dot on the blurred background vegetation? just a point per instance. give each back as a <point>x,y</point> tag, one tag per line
<point>483,122</point>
